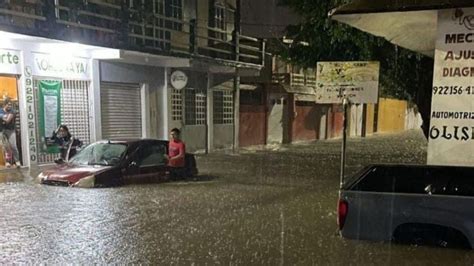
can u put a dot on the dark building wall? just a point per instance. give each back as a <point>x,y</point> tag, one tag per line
<point>336,121</point>
<point>306,122</point>
<point>311,121</point>
<point>265,18</point>
<point>252,128</point>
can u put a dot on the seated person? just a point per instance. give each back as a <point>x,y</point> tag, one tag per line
<point>67,144</point>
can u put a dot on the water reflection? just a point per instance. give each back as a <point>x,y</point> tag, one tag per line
<point>259,207</point>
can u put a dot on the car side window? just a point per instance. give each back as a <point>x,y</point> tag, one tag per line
<point>152,155</point>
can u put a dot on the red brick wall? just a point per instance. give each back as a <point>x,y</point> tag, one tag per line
<point>252,128</point>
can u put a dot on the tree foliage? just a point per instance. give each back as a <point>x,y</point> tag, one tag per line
<point>403,74</point>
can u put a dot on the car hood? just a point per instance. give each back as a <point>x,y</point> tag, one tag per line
<point>72,173</point>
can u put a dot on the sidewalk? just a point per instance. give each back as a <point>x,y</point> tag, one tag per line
<point>20,174</point>
<point>412,133</point>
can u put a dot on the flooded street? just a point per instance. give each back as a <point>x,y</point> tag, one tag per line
<point>272,207</point>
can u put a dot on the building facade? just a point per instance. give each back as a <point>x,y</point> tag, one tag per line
<point>113,69</point>
<point>280,106</point>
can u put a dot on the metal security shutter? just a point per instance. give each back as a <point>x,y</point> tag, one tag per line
<point>121,111</point>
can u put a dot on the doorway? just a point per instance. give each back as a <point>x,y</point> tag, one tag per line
<point>277,119</point>
<point>9,90</point>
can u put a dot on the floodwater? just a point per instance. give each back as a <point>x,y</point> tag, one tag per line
<point>272,207</point>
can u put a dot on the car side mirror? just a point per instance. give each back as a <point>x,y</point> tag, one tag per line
<point>132,164</point>
<point>59,161</point>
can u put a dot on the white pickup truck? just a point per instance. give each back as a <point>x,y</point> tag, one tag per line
<point>415,204</point>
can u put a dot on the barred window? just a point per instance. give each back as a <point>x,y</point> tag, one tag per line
<point>223,18</point>
<point>174,10</point>
<point>195,106</point>
<point>176,105</point>
<point>158,7</point>
<point>219,21</point>
<point>223,107</point>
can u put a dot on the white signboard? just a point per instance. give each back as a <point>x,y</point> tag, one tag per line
<point>179,79</point>
<point>49,65</point>
<point>357,81</point>
<point>10,62</point>
<point>451,135</point>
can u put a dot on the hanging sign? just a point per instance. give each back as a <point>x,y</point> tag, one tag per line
<point>451,134</point>
<point>357,81</point>
<point>60,66</point>
<point>10,62</point>
<point>179,79</point>
<point>49,112</point>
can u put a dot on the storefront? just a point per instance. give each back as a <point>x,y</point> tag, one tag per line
<point>132,101</point>
<point>50,83</point>
<point>10,71</point>
<point>201,105</point>
<point>61,92</point>
<point>189,105</point>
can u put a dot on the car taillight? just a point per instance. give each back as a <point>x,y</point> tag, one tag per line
<point>342,209</point>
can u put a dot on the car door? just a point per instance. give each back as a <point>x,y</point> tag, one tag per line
<point>149,162</point>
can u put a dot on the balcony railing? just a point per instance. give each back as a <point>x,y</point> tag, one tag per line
<point>112,24</point>
<point>295,79</point>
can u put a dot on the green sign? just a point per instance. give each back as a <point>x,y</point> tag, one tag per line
<point>49,107</point>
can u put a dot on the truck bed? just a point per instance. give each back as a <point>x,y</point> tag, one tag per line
<point>381,200</point>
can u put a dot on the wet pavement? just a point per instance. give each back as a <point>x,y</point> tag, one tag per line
<point>272,207</point>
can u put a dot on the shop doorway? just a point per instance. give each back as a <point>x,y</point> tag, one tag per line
<point>9,142</point>
<point>73,112</point>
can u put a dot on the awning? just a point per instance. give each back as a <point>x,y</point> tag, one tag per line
<point>298,89</point>
<point>248,87</point>
<point>133,57</point>
<point>305,98</point>
<point>301,93</point>
<point>406,23</point>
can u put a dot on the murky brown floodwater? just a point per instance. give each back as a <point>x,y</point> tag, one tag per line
<point>265,207</point>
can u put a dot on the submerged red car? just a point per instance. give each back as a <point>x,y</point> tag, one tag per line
<point>115,162</point>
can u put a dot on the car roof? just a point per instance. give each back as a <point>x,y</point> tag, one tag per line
<point>131,141</point>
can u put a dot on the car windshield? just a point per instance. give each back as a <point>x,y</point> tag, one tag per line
<point>100,154</point>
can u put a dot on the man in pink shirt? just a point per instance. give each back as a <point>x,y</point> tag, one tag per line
<point>176,155</point>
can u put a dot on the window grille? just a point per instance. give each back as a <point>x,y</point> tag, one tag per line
<point>148,30</point>
<point>223,107</point>
<point>195,106</point>
<point>219,22</point>
<point>159,7</point>
<point>74,113</point>
<point>176,105</point>
<point>174,9</point>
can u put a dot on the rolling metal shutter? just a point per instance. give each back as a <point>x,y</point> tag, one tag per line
<point>121,111</point>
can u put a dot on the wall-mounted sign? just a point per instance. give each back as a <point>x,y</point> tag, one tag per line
<point>179,79</point>
<point>10,62</point>
<point>357,81</point>
<point>451,135</point>
<point>50,65</point>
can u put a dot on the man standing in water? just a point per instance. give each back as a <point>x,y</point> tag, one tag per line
<point>176,155</point>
